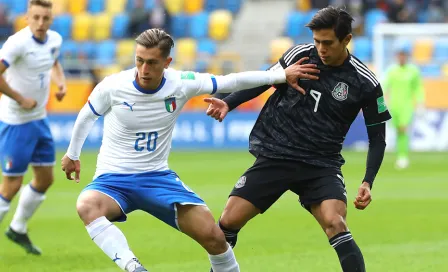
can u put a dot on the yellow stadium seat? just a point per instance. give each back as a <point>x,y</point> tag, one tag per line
<point>109,70</point>
<point>423,50</point>
<point>125,52</point>
<point>445,70</point>
<point>20,23</point>
<point>82,27</point>
<point>219,24</point>
<point>175,6</point>
<point>77,6</point>
<point>192,6</point>
<point>115,6</point>
<point>60,7</point>
<point>101,26</point>
<point>303,5</point>
<point>278,47</point>
<point>185,51</point>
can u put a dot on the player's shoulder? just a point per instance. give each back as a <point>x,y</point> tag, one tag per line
<point>54,36</point>
<point>296,52</point>
<point>20,36</point>
<point>365,75</point>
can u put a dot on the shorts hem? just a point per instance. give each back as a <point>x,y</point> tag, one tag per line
<point>118,203</point>
<point>262,210</point>
<point>307,205</point>
<point>13,174</point>
<point>183,204</point>
<point>43,163</point>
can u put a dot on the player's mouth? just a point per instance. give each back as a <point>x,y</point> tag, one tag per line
<point>146,78</point>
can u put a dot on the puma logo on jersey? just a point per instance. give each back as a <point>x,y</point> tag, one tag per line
<point>130,106</point>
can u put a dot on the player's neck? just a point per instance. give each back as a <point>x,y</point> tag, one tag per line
<point>40,40</point>
<point>149,87</point>
<point>342,59</point>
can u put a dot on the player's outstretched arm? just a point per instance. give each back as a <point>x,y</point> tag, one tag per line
<point>26,103</point>
<point>58,77</point>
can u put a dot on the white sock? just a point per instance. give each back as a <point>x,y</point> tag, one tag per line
<point>4,207</point>
<point>113,242</point>
<point>224,262</point>
<point>29,201</point>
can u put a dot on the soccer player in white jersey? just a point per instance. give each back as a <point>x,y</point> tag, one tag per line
<point>140,107</point>
<point>29,61</point>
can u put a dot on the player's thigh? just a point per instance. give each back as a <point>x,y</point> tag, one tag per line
<point>17,143</point>
<point>92,204</point>
<point>44,151</point>
<point>261,185</point>
<point>237,212</point>
<point>43,178</point>
<point>331,215</point>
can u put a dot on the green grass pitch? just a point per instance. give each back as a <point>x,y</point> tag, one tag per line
<point>404,229</point>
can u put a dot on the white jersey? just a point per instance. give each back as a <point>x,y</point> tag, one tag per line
<point>138,124</point>
<point>30,62</point>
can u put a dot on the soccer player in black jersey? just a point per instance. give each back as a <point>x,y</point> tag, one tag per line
<point>298,136</point>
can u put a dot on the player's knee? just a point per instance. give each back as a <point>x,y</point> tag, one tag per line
<point>334,225</point>
<point>88,210</point>
<point>214,241</point>
<point>11,186</point>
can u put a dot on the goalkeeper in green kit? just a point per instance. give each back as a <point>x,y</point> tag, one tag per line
<point>404,92</point>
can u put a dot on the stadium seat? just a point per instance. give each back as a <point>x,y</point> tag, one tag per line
<point>185,50</point>
<point>175,6</point>
<point>362,48</point>
<point>18,6</point>
<point>179,25</point>
<point>62,24</point>
<point>120,26</point>
<point>207,46</point>
<point>233,6</point>
<point>60,7</point>
<point>211,5</point>
<point>373,17</point>
<point>278,47</point>
<point>423,51</point>
<point>105,52</point>
<point>430,70</point>
<point>125,52</point>
<point>86,49</point>
<point>191,6</point>
<point>198,27</point>
<point>95,6</point>
<point>77,7</point>
<point>82,27</point>
<point>219,24</point>
<point>445,70</point>
<point>150,4</point>
<point>115,6</point>
<point>101,27</point>
<point>441,50</point>
<point>69,50</point>
<point>303,5</point>
<point>20,23</point>
<point>295,24</point>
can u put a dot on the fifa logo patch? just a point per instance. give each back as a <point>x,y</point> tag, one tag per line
<point>340,91</point>
<point>170,104</point>
<point>241,182</point>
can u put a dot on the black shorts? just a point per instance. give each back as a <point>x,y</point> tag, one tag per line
<point>268,179</point>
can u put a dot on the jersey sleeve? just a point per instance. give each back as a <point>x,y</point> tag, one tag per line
<point>375,110</point>
<point>293,54</point>
<point>100,99</point>
<point>195,84</point>
<point>10,51</point>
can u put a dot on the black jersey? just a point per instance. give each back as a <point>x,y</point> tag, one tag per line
<point>311,128</point>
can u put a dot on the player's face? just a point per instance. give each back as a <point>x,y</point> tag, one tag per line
<point>150,65</point>
<point>39,19</point>
<point>402,58</point>
<point>331,50</point>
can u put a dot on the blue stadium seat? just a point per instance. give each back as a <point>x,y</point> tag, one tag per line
<point>149,4</point>
<point>120,26</point>
<point>69,50</point>
<point>62,24</point>
<point>363,48</point>
<point>179,25</point>
<point>87,49</point>
<point>372,18</point>
<point>95,6</point>
<point>308,16</point>
<point>295,24</point>
<point>211,5</point>
<point>198,27</point>
<point>201,66</point>
<point>105,52</point>
<point>441,50</point>
<point>233,5</point>
<point>6,3</point>
<point>19,6</point>
<point>430,70</point>
<point>207,46</point>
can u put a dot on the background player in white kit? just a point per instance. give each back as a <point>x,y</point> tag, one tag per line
<point>140,107</point>
<point>29,58</point>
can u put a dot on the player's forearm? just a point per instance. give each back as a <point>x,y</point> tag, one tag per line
<point>83,125</point>
<point>235,99</point>
<point>6,90</point>
<point>377,146</point>
<point>57,74</point>
<point>248,80</point>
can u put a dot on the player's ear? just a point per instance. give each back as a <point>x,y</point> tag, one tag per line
<point>347,39</point>
<point>168,62</point>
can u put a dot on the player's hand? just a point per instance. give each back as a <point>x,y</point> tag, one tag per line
<point>364,197</point>
<point>298,70</point>
<point>61,92</point>
<point>217,109</point>
<point>69,166</point>
<point>27,103</point>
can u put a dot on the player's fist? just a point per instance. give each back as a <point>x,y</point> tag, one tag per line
<point>298,71</point>
<point>27,103</point>
<point>69,166</point>
<point>62,90</point>
<point>217,109</point>
<point>364,196</point>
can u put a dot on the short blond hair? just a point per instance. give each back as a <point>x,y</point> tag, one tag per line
<point>42,3</point>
